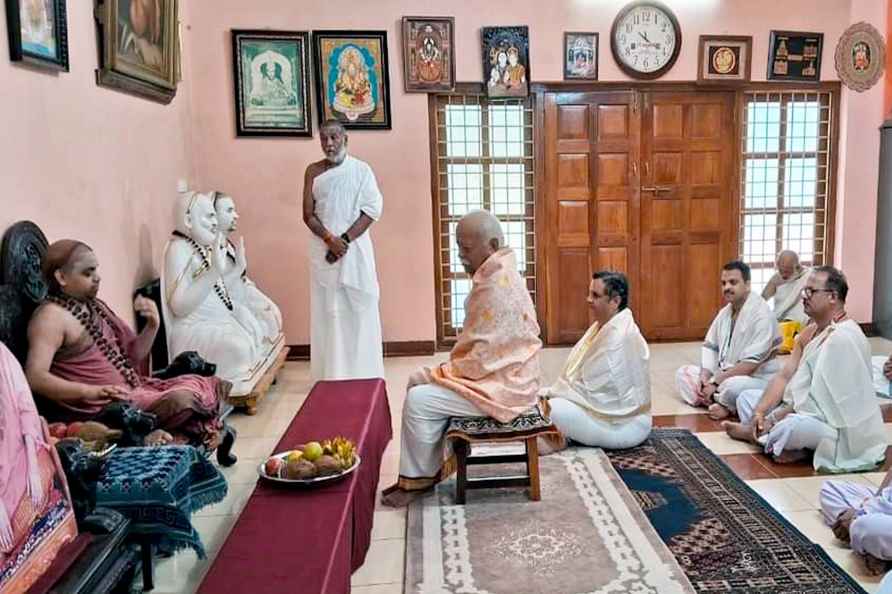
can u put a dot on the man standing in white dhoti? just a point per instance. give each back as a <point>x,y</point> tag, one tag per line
<point>341,201</point>
<point>739,350</point>
<point>786,288</point>
<point>822,400</point>
<point>602,398</point>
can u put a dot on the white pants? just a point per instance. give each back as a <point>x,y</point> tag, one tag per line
<point>881,385</point>
<point>688,377</point>
<point>576,424</point>
<point>871,531</point>
<point>793,432</point>
<point>426,415</point>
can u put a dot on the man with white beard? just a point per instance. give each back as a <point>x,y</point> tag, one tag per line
<point>341,201</point>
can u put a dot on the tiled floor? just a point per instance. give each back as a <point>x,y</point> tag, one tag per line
<point>792,490</point>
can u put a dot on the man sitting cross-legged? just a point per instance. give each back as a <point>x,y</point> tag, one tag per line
<point>739,350</point>
<point>493,369</point>
<point>822,400</point>
<point>861,516</point>
<point>785,287</point>
<point>83,357</point>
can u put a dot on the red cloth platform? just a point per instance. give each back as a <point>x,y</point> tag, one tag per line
<point>308,541</point>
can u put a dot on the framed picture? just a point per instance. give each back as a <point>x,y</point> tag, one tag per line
<point>38,32</point>
<point>860,56</point>
<point>506,61</point>
<point>428,54</point>
<point>724,58</point>
<point>140,47</point>
<point>580,56</point>
<point>794,55</point>
<point>272,85</point>
<point>352,83</point>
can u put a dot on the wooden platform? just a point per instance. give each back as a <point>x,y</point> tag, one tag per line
<point>249,401</point>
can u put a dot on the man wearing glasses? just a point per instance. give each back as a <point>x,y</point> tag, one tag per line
<point>822,401</point>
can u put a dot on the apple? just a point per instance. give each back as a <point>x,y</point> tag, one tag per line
<point>312,451</point>
<point>273,466</point>
<point>73,429</point>
<point>58,430</point>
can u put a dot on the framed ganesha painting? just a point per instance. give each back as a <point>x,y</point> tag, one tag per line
<point>352,79</point>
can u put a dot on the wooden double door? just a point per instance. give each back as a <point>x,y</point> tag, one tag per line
<point>643,182</point>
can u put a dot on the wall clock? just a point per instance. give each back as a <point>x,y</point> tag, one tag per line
<point>645,39</point>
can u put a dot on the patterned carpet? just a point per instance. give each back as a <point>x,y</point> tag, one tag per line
<point>723,535</point>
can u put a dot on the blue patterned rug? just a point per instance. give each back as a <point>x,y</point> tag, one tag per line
<point>724,536</point>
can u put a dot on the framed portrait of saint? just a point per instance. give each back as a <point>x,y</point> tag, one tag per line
<point>860,56</point>
<point>140,47</point>
<point>428,54</point>
<point>795,56</point>
<point>506,61</point>
<point>38,33</point>
<point>272,84</point>
<point>352,80</point>
<point>724,58</point>
<point>580,56</point>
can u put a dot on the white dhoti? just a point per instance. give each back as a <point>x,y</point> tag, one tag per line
<point>688,377</point>
<point>576,424</point>
<point>426,414</point>
<point>881,383</point>
<point>345,335</point>
<point>788,298</point>
<point>871,530</point>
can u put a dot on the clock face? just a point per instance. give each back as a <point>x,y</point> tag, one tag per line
<point>646,39</point>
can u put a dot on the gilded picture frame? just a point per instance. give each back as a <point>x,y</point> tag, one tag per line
<point>724,58</point>
<point>38,33</point>
<point>140,47</point>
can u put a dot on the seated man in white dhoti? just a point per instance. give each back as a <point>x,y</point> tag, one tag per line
<point>822,400</point>
<point>786,287</point>
<point>493,369</point>
<point>341,201</point>
<point>882,375</point>
<point>602,398</point>
<point>861,515</point>
<point>739,350</point>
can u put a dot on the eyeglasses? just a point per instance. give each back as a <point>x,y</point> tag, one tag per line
<point>808,291</point>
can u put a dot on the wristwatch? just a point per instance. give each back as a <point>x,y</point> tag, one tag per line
<point>345,237</point>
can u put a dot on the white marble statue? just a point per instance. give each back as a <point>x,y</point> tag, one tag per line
<point>200,313</point>
<point>245,291</point>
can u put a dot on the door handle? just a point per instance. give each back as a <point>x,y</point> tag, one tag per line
<point>655,189</point>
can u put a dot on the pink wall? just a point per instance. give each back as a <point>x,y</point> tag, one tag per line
<point>91,163</point>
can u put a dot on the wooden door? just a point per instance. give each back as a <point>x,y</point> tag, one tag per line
<point>687,198</point>
<point>591,200</point>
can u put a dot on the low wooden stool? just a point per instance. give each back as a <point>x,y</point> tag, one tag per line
<point>465,431</point>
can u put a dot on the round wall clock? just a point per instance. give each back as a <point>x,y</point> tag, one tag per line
<point>645,39</point>
<point>860,56</point>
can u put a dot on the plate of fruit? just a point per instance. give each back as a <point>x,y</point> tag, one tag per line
<point>312,463</point>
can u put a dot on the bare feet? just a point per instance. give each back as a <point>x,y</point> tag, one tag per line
<point>158,437</point>
<point>841,526</point>
<point>790,456</point>
<point>394,496</point>
<point>874,565</point>
<point>717,412</point>
<point>739,431</point>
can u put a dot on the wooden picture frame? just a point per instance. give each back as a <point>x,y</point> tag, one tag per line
<point>270,70</point>
<point>142,57</point>
<point>38,33</point>
<point>724,58</point>
<point>580,55</point>
<point>428,54</point>
<point>506,61</point>
<point>795,56</point>
<point>352,78</point>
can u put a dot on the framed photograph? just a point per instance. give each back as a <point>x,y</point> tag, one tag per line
<point>140,47</point>
<point>272,84</point>
<point>506,61</point>
<point>38,32</point>
<point>795,56</point>
<point>580,56</point>
<point>352,82</point>
<point>428,54</point>
<point>860,56</point>
<point>724,58</point>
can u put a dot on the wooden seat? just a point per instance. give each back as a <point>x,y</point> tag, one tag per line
<point>463,432</point>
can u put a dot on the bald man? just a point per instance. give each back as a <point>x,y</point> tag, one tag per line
<point>493,369</point>
<point>786,287</point>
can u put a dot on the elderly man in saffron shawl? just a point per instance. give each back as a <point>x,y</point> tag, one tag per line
<point>82,356</point>
<point>493,369</point>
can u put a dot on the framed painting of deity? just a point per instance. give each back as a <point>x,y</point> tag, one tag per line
<point>272,84</point>
<point>860,56</point>
<point>352,80</point>
<point>428,54</point>
<point>506,61</point>
<point>580,56</point>
<point>140,47</point>
<point>724,58</point>
<point>38,33</point>
<point>795,56</point>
